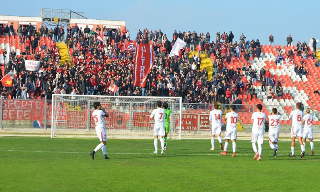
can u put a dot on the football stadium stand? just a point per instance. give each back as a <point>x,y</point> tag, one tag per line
<point>88,60</point>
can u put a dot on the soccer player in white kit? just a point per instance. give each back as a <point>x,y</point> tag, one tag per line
<point>215,119</point>
<point>274,128</point>
<point>98,117</point>
<point>231,130</point>
<point>159,130</point>
<point>296,129</point>
<point>308,129</point>
<point>259,119</point>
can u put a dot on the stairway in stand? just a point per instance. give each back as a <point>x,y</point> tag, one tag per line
<point>205,63</point>
<point>64,53</point>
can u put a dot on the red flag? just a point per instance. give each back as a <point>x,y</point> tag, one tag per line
<point>113,88</point>
<point>143,64</point>
<point>6,81</point>
<point>130,45</point>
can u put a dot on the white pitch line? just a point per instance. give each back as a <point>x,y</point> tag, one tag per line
<point>178,154</point>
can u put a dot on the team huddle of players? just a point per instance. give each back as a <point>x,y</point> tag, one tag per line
<point>259,119</point>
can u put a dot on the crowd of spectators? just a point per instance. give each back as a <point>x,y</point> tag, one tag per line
<point>98,64</point>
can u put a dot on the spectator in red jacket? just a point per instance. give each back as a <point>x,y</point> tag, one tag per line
<point>228,94</point>
<point>94,83</point>
<point>268,75</point>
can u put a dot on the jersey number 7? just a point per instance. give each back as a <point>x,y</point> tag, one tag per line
<point>161,114</point>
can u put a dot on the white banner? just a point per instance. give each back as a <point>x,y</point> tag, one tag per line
<point>179,44</point>
<point>32,65</point>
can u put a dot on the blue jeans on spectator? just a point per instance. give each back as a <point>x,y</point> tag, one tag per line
<point>92,90</point>
<point>18,94</point>
<point>144,92</point>
<point>56,38</point>
<point>24,95</point>
<point>254,80</point>
<point>279,94</point>
<point>267,81</point>
<point>87,91</point>
<point>61,38</point>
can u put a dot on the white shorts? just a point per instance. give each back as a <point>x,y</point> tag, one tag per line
<point>102,136</point>
<point>296,131</point>
<point>257,137</point>
<point>159,131</point>
<point>231,135</point>
<point>308,134</point>
<point>273,137</point>
<point>216,130</point>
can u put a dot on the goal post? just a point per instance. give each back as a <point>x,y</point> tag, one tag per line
<point>129,116</point>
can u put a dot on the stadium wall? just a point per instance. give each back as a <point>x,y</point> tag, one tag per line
<point>93,23</point>
<point>17,20</point>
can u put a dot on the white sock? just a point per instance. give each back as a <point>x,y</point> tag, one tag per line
<point>162,143</point>
<point>155,142</point>
<point>104,150</point>
<point>234,146</point>
<point>212,142</point>
<point>311,145</point>
<point>259,149</point>
<point>292,150</point>
<point>226,146</point>
<point>272,146</point>
<point>276,146</point>
<point>98,147</point>
<point>220,140</point>
<point>254,147</point>
<point>302,147</point>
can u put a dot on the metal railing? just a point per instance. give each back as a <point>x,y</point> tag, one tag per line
<point>32,114</point>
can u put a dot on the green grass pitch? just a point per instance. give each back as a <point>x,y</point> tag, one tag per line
<point>64,164</point>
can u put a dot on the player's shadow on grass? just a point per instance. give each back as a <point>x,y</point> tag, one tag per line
<point>297,158</point>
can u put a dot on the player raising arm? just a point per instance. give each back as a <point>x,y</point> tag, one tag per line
<point>98,117</point>
<point>274,128</point>
<point>231,130</point>
<point>215,119</point>
<point>296,129</point>
<point>308,129</point>
<point>158,131</point>
<point>258,118</point>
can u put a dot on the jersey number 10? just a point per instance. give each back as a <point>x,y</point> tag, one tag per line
<point>234,120</point>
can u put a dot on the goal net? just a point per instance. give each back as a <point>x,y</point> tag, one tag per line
<point>129,116</point>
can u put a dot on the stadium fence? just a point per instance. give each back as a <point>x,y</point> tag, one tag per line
<point>129,118</point>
